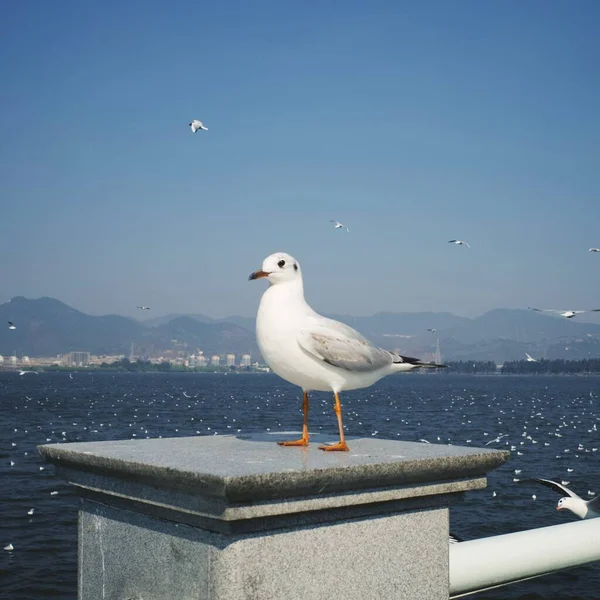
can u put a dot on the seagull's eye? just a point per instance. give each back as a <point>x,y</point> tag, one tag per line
<point>281,264</point>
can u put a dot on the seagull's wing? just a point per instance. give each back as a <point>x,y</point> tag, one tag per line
<point>341,346</point>
<point>452,241</point>
<point>594,503</point>
<point>553,485</point>
<point>554,310</point>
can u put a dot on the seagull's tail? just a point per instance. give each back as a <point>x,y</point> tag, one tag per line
<point>416,363</point>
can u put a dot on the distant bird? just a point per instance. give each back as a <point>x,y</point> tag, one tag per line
<point>143,307</point>
<point>30,511</point>
<point>338,225</point>
<point>312,351</point>
<point>432,330</point>
<point>9,548</point>
<point>459,243</point>
<point>594,250</point>
<point>195,125</point>
<point>584,509</point>
<point>495,440</point>
<point>11,325</point>
<point>21,373</point>
<point>567,314</point>
<point>530,358</point>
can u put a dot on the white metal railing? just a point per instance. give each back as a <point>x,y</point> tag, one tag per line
<point>486,563</point>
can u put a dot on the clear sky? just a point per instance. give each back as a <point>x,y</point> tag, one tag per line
<point>414,123</point>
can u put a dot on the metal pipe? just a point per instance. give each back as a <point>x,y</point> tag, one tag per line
<point>486,563</point>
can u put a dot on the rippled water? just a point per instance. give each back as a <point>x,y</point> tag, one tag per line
<point>462,410</point>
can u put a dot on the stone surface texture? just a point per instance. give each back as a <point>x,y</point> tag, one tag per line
<point>236,518</point>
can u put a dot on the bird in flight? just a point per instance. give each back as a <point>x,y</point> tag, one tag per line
<point>143,307</point>
<point>594,250</point>
<point>459,243</point>
<point>11,325</point>
<point>584,509</point>
<point>338,225</point>
<point>312,351</point>
<point>567,314</point>
<point>530,358</point>
<point>431,329</point>
<point>27,372</point>
<point>195,125</point>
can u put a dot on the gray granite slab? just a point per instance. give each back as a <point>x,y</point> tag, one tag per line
<point>250,469</point>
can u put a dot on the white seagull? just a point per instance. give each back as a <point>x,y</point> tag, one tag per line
<point>27,372</point>
<point>567,314</point>
<point>459,243</point>
<point>11,325</point>
<point>594,250</point>
<point>9,548</point>
<point>584,509</point>
<point>311,351</point>
<point>530,358</point>
<point>338,225</point>
<point>143,307</point>
<point>195,125</point>
<point>431,329</point>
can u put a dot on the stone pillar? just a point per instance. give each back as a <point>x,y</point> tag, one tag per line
<point>240,518</point>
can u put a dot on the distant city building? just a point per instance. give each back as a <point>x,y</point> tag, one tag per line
<point>231,360</point>
<point>25,359</point>
<point>215,360</point>
<point>77,359</point>
<point>1,359</point>
<point>201,361</point>
<point>13,360</point>
<point>246,360</point>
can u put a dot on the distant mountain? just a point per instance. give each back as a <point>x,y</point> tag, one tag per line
<point>46,327</point>
<point>155,321</point>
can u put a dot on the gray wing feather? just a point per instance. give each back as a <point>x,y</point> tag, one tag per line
<point>553,485</point>
<point>343,351</point>
<point>594,503</point>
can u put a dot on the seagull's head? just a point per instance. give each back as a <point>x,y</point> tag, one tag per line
<point>564,503</point>
<point>279,268</point>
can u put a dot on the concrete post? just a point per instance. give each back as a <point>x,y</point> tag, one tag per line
<point>240,518</point>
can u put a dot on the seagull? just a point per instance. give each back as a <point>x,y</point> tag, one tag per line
<point>30,511</point>
<point>567,314</point>
<point>584,509</point>
<point>594,250</point>
<point>432,330</point>
<point>530,358</point>
<point>500,437</point>
<point>459,243</point>
<point>195,125</point>
<point>26,372</point>
<point>9,548</point>
<point>11,325</point>
<point>143,307</point>
<point>311,351</point>
<point>338,225</point>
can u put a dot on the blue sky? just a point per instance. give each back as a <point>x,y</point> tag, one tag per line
<point>414,123</point>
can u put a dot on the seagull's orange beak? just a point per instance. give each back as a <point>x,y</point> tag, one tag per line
<point>258,275</point>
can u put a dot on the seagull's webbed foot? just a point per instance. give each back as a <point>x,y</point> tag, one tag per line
<point>339,447</point>
<point>303,441</point>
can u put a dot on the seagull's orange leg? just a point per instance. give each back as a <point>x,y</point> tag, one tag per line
<point>341,445</point>
<point>303,441</point>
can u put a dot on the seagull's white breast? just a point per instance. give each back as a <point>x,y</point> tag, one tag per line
<point>282,314</point>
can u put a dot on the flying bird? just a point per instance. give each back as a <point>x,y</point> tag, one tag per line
<point>143,307</point>
<point>338,225</point>
<point>312,351</point>
<point>459,243</point>
<point>431,329</point>
<point>530,358</point>
<point>11,325</point>
<point>594,250</point>
<point>584,509</point>
<point>195,125</point>
<point>27,372</point>
<point>567,314</point>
